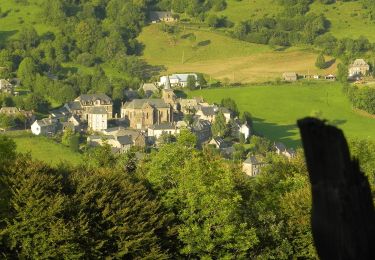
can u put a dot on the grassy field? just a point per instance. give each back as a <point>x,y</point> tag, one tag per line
<point>44,149</point>
<point>19,15</point>
<point>223,57</point>
<point>276,108</point>
<point>348,19</point>
<point>237,11</point>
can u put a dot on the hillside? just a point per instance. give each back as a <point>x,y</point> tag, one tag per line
<point>223,57</point>
<point>347,19</point>
<point>18,15</point>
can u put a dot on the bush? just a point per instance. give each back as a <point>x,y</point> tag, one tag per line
<point>86,59</point>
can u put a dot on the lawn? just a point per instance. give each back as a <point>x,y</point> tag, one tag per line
<point>348,19</point>
<point>276,108</point>
<point>44,149</point>
<point>237,11</point>
<point>222,57</point>
<point>19,15</point>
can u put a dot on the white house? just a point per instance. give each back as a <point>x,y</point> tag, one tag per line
<point>155,131</point>
<point>177,80</point>
<point>97,118</point>
<point>245,130</point>
<point>44,126</point>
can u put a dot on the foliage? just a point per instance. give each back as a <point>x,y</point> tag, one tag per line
<point>74,213</point>
<point>320,62</point>
<point>220,127</point>
<point>191,82</point>
<point>231,105</point>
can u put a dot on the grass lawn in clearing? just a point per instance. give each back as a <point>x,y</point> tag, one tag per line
<point>276,108</point>
<point>237,11</point>
<point>348,19</point>
<point>223,57</point>
<point>19,15</point>
<point>43,148</point>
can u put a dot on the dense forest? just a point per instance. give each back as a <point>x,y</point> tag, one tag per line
<point>177,202</point>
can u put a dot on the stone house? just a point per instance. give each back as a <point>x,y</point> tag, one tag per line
<point>46,126</point>
<point>202,130</point>
<point>97,118</point>
<point>142,113</point>
<point>358,68</point>
<point>290,76</point>
<point>138,137</point>
<point>188,106</point>
<point>119,144</point>
<point>207,113</point>
<point>252,166</point>
<point>169,97</point>
<point>83,104</point>
<point>6,86</point>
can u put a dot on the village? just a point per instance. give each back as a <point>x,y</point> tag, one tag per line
<point>159,116</point>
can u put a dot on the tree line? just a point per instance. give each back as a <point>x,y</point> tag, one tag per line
<point>177,202</point>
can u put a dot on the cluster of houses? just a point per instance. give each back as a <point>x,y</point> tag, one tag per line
<point>293,76</point>
<point>356,71</point>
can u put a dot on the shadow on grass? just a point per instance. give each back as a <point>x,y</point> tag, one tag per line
<point>277,133</point>
<point>4,35</point>
<point>204,43</point>
<point>329,63</point>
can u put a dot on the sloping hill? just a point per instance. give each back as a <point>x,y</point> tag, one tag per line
<point>16,15</point>
<point>223,57</point>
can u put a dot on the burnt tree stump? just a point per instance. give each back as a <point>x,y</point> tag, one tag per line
<point>343,216</point>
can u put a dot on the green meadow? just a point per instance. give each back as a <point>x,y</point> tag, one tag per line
<point>222,57</point>
<point>18,15</point>
<point>44,149</point>
<point>348,19</point>
<point>275,109</point>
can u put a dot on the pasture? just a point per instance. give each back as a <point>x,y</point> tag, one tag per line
<point>18,15</point>
<point>275,108</point>
<point>222,57</point>
<point>348,19</point>
<point>44,149</point>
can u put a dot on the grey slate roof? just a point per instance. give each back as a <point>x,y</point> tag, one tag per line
<point>200,125</point>
<point>251,160</point>
<point>124,140</point>
<point>208,111</point>
<point>93,97</point>
<point>46,122</point>
<point>138,103</point>
<point>163,126</point>
<point>74,105</point>
<point>97,110</point>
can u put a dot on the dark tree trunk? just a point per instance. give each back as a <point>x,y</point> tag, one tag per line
<point>343,216</point>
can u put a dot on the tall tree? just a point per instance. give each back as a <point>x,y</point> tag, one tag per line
<point>27,72</point>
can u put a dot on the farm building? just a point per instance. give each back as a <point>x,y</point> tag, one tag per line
<point>290,76</point>
<point>156,17</point>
